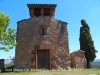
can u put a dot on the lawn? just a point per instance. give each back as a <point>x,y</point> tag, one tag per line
<point>54,72</point>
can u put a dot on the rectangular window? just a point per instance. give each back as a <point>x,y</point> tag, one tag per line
<point>37,12</point>
<point>43,31</point>
<point>46,11</point>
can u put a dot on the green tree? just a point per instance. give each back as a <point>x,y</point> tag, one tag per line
<point>7,35</point>
<point>86,43</point>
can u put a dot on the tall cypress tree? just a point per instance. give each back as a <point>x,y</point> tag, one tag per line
<point>86,43</point>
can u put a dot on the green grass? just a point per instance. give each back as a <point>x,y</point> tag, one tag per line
<point>72,72</point>
<point>8,65</point>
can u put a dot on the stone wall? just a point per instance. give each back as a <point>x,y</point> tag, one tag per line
<point>78,59</point>
<point>29,35</point>
<point>1,65</point>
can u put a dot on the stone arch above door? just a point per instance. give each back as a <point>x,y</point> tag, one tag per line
<point>43,46</point>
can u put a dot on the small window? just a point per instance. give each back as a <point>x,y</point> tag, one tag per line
<point>42,30</point>
<point>43,33</point>
<point>37,12</point>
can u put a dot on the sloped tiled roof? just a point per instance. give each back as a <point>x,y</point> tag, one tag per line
<point>43,4</point>
<point>52,5</point>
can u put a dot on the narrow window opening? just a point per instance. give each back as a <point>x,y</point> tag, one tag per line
<point>43,31</point>
<point>46,11</point>
<point>37,12</point>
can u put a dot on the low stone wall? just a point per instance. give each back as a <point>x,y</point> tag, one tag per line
<point>1,65</point>
<point>78,59</point>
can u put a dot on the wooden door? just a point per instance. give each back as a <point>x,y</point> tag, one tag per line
<point>43,59</point>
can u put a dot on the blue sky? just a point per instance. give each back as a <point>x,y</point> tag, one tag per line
<point>71,11</point>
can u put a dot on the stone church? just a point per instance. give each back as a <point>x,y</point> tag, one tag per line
<point>42,39</point>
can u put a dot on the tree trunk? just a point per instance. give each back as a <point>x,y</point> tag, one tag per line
<point>88,63</point>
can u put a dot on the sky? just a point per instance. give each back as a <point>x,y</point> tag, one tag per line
<point>70,11</point>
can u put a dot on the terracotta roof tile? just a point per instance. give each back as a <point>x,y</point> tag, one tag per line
<point>32,5</point>
<point>43,4</point>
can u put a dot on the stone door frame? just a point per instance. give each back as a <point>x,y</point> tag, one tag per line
<point>37,58</point>
<point>43,47</point>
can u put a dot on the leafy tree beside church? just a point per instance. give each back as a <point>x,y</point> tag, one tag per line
<point>86,43</point>
<point>7,35</point>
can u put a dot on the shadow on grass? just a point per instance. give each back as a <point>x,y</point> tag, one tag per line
<point>8,69</point>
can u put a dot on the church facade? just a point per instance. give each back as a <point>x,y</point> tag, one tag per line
<point>42,40</point>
